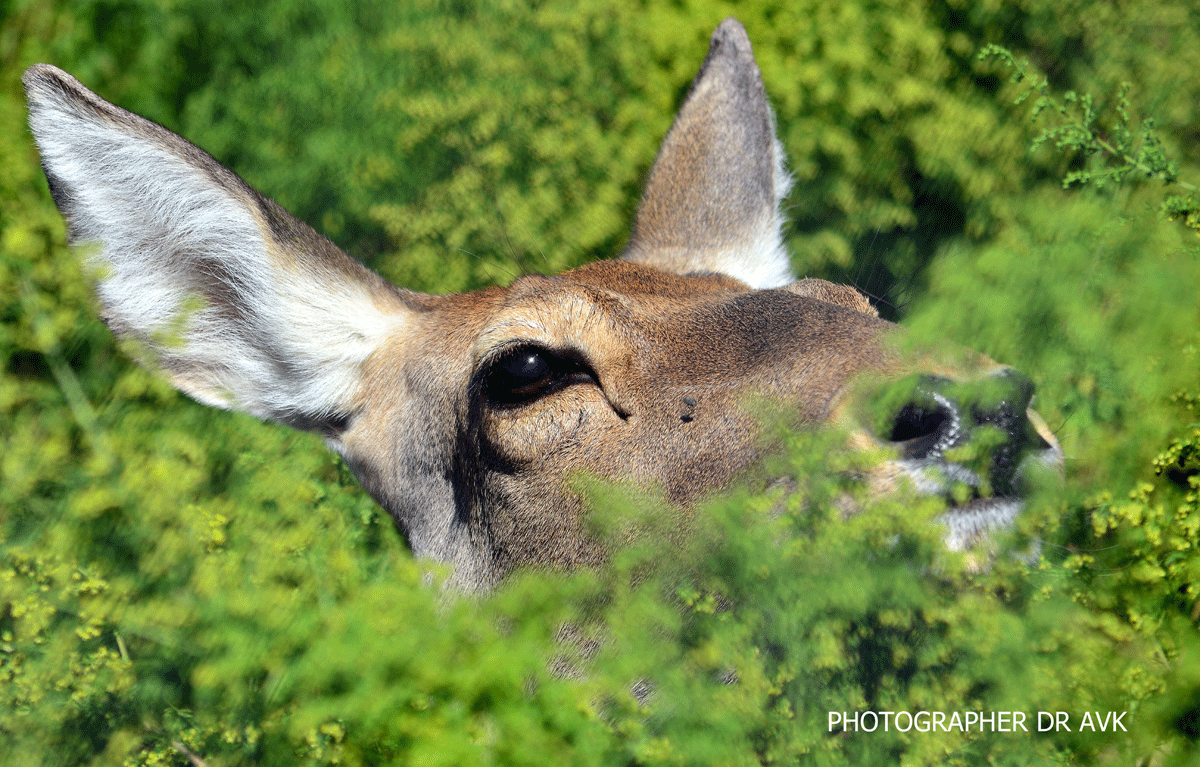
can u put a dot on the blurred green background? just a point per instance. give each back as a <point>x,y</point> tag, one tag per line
<point>185,587</point>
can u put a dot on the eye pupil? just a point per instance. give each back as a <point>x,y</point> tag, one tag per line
<point>521,376</point>
<point>528,367</point>
<point>528,373</point>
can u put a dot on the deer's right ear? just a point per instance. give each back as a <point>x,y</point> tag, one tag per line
<point>712,199</point>
<point>241,305</point>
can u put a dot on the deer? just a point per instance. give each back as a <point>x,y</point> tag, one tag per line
<point>465,416</point>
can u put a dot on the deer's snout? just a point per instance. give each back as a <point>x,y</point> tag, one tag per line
<point>990,418</point>
<point>971,443</point>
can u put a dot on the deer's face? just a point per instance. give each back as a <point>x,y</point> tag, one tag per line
<point>467,415</point>
<point>627,372</point>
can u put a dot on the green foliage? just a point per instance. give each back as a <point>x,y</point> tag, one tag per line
<point>1106,308</point>
<point>768,599</point>
<point>180,586</point>
<point>1127,152</point>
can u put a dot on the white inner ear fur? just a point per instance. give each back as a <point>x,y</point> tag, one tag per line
<point>279,343</point>
<point>766,263</point>
<point>763,262</point>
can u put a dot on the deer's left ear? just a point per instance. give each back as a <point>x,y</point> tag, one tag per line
<point>241,305</point>
<point>712,200</point>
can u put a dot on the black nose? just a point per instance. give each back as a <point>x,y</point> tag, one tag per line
<point>938,414</point>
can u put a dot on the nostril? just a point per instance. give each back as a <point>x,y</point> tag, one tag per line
<point>927,420</point>
<point>926,427</point>
<point>916,421</point>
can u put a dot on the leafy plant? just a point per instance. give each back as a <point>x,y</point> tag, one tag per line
<point>1111,154</point>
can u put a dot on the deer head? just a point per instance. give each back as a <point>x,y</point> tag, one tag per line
<point>466,415</point>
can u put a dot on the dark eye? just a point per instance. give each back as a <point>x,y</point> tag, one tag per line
<point>519,375</point>
<point>530,372</point>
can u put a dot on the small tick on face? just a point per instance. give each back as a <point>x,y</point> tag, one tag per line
<point>688,405</point>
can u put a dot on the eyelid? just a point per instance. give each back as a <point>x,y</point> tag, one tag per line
<point>568,356</point>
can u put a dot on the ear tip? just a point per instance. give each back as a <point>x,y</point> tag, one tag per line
<point>40,71</point>
<point>40,77</point>
<point>730,32</point>
<point>47,85</point>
